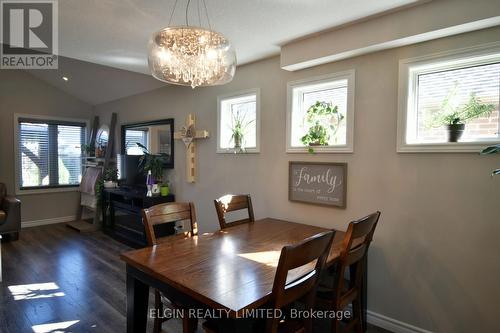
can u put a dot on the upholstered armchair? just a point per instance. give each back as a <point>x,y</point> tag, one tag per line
<point>10,214</point>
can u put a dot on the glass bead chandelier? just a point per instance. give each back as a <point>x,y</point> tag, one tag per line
<point>191,56</point>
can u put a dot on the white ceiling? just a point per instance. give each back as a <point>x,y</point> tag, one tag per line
<point>109,36</point>
<point>115,32</point>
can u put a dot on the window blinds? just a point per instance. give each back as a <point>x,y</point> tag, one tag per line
<point>50,153</point>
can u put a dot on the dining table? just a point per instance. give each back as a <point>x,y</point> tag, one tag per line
<point>231,270</point>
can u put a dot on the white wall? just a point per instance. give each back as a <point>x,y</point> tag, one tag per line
<point>434,261</point>
<point>20,92</point>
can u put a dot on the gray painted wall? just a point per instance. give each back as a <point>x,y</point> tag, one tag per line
<point>434,261</point>
<point>22,93</point>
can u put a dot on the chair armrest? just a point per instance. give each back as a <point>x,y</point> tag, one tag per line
<point>12,207</point>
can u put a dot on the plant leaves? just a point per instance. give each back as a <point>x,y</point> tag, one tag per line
<point>491,150</point>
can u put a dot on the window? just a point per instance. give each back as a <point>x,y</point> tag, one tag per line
<point>320,114</point>
<point>238,122</point>
<point>49,153</point>
<point>134,136</point>
<point>461,87</point>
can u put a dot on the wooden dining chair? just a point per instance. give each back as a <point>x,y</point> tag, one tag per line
<point>314,249</point>
<point>336,292</point>
<point>229,203</point>
<point>168,213</point>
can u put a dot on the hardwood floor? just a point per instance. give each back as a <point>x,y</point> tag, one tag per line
<point>58,280</point>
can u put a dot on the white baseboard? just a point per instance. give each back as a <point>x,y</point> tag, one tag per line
<point>391,324</point>
<point>36,223</point>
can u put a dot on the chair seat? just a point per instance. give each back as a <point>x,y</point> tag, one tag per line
<point>3,216</point>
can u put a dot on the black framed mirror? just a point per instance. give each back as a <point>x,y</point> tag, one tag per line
<point>157,136</point>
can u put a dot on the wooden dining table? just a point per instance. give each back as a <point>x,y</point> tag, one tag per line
<point>231,270</point>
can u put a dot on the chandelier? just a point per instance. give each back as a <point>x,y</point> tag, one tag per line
<point>191,56</point>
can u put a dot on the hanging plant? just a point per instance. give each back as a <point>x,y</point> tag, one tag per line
<point>324,120</point>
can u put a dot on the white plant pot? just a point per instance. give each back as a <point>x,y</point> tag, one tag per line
<point>155,189</point>
<point>109,184</point>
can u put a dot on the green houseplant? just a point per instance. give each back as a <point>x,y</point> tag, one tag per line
<point>323,119</point>
<point>455,116</point>
<point>492,150</point>
<point>239,127</point>
<point>109,175</point>
<point>152,162</point>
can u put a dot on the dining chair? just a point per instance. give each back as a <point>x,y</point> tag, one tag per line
<point>310,255</point>
<point>336,292</point>
<point>230,203</point>
<point>161,214</point>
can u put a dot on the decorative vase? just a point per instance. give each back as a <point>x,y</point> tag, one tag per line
<point>164,190</point>
<point>455,132</point>
<point>155,189</point>
<point>237,142</point>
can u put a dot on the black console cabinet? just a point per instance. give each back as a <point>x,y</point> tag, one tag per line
<point>121,214</point>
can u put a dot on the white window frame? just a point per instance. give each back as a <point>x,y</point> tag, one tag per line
<point>17,176</point>
<point>348,75</point>
<point>243,93</point>
<point>410,69</point>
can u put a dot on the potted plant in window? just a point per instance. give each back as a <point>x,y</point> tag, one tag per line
<point>455,116</point>
<point>492,150</point>
<point>239,127</point>
<point>152,163</point>
<point>323,119</point>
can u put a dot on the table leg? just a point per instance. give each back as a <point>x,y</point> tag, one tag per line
<point>137,304</point>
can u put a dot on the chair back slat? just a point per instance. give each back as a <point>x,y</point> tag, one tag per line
<point>171,217</point>
<point>355,255</point>
<point>168,213</point>
<point>315,248</point>
<point>230,203</point>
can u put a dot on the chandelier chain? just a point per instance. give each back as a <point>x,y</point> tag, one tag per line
<point>187,12</point>
<point>172,13</point>
<point>206,12</point>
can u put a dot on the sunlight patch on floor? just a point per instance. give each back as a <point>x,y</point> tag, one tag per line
<point>35,290</point>
<point>59,327</point>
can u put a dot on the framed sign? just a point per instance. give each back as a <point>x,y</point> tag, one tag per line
<point>318,183</point>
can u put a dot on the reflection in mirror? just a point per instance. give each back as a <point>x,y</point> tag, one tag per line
<point>134,136</point>
<point>156,136</point>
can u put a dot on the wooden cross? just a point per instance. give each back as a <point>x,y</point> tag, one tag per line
<point>188,134</point>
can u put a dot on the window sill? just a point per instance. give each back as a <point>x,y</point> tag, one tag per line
<point>446,147</point>
<point>321,150</point>
<point>47,190</point>
<point>234,152</point>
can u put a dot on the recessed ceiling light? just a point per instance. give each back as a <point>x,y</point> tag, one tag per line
<point>65,78</point>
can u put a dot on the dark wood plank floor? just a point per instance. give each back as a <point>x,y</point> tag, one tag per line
<point>58,280</point>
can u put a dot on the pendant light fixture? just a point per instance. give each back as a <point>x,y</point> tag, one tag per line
<point>191,56</point>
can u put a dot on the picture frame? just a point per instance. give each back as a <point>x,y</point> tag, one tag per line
<point>318,183</point>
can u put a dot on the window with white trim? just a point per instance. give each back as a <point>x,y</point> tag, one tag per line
<point>320,114</point>
<point>238,122</point>
<point>49,153</point>
<point>450,102</point>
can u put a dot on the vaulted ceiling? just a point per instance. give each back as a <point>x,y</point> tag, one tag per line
<point>115,33</point>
